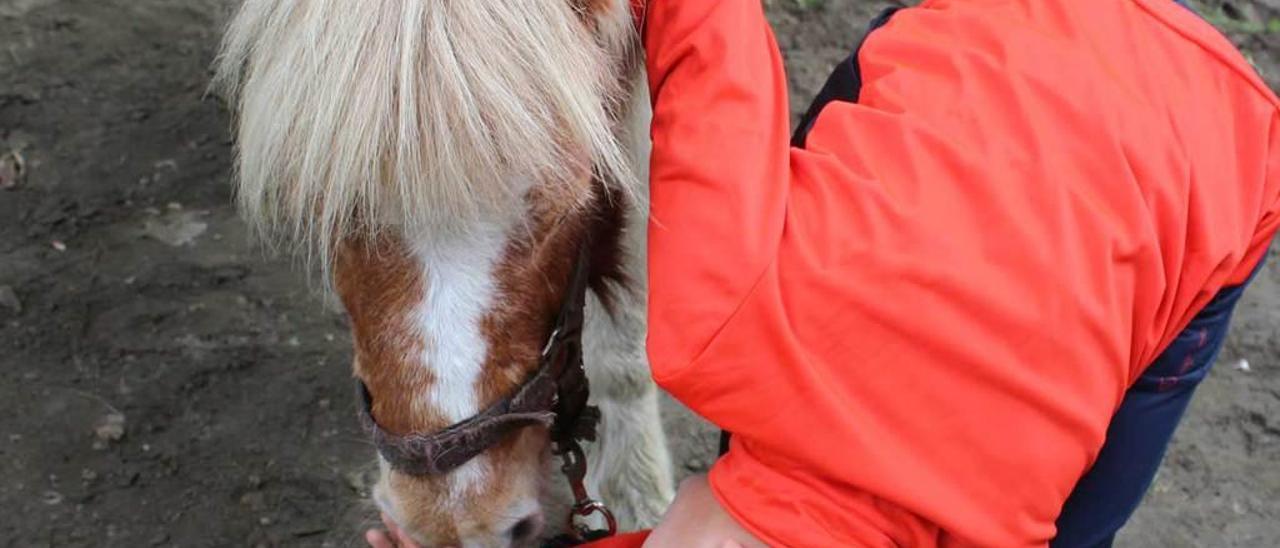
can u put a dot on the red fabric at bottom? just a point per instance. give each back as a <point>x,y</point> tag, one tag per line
<point>625,540</point>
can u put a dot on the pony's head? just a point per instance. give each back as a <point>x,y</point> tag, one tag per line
<point>443,161</point>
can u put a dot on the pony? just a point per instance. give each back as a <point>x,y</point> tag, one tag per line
<point>441,163</point>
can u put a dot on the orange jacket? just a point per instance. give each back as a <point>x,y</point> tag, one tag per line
<point>919,326</point>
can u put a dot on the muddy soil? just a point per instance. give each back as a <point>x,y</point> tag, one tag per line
<point>163,382</point>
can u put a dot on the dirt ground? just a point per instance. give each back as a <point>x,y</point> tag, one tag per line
<point>163,382</point>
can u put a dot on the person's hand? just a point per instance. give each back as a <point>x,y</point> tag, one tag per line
<point>696,520</point>
<point>393,537</point>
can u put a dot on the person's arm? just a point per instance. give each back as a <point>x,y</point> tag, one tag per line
<point>719,173</point>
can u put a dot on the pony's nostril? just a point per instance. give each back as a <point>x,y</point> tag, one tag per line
<point>525,529</point>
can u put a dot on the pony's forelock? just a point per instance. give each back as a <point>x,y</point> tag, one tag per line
<point>418,115</point>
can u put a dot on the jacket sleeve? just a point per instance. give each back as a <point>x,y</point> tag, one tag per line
<point>719,168</point>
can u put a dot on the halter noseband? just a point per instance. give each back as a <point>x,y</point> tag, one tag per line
<point>555,396</point>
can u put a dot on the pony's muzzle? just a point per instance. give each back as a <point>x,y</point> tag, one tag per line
<point>527,530</point>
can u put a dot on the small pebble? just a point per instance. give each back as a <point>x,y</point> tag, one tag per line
<point>1242,365</point>
<point>12,167</point>
<point>110,427</point>
<point>9,299</point>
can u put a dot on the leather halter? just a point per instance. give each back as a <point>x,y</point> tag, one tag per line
<point>555,396</point>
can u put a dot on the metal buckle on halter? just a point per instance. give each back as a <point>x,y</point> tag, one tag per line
<point>552,342</point>
<point>575,470</point>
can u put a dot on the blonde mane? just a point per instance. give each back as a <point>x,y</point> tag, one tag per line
<point>417,115</point>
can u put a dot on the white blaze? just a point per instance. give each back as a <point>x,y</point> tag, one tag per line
<point>459,289</point>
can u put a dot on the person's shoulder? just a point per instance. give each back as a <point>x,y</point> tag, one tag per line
<point>1210,46</point>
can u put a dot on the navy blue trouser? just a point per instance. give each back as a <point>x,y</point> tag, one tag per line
<point>1105,498</point>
